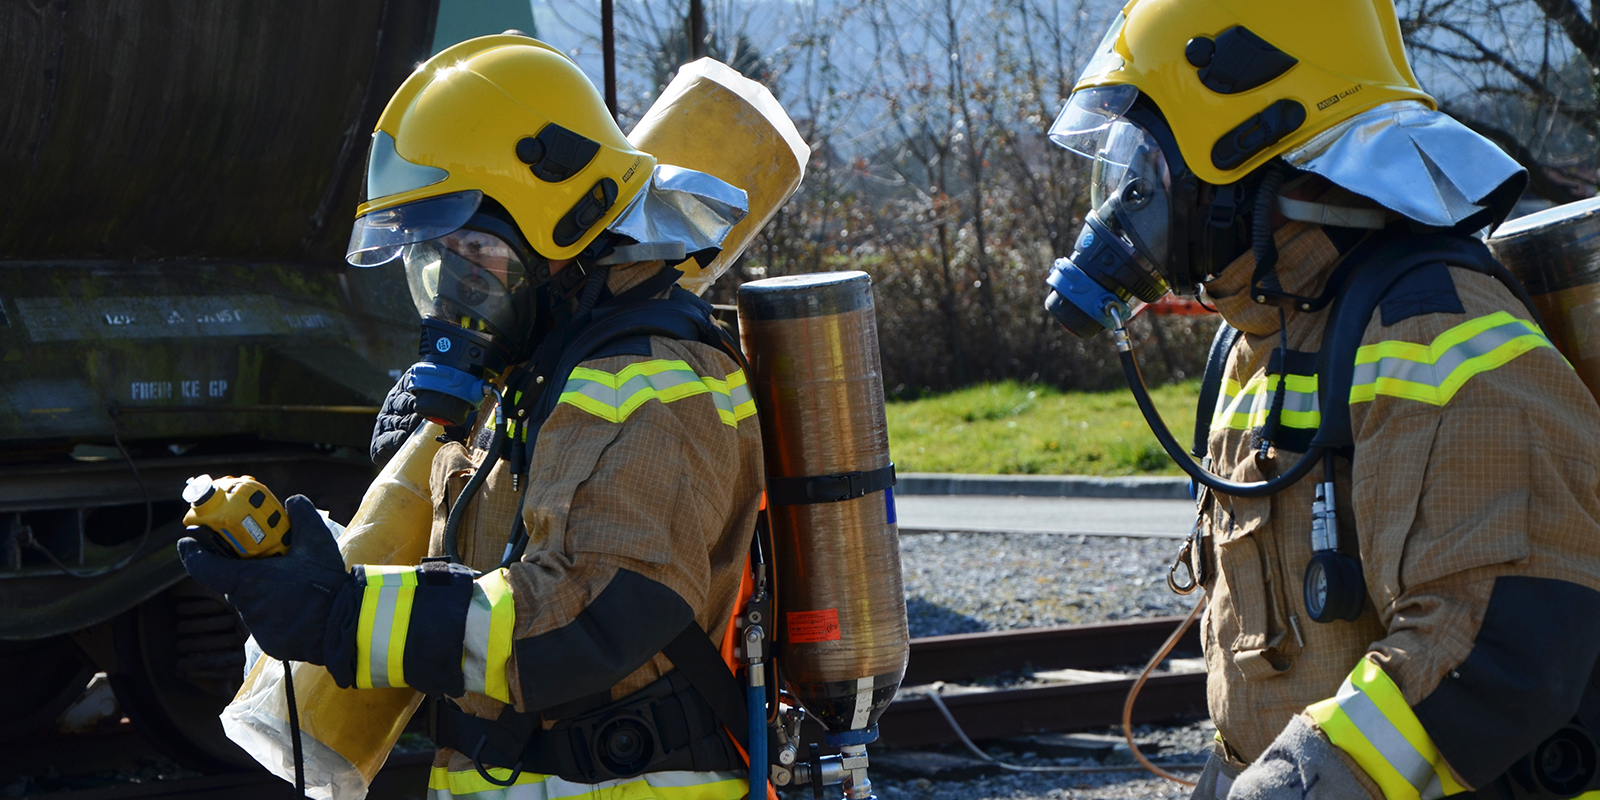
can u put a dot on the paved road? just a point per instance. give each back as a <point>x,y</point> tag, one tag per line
<point>1070,515</point>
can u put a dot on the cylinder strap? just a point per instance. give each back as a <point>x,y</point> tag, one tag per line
<point>810,489</point>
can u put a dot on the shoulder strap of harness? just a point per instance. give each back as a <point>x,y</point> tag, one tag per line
<point>1211,385</point>
<point>1374,268</point>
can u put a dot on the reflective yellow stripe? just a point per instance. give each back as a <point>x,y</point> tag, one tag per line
<point>486,648</point>
<point>383,624</point>
<point>675,785</point>
<point>1433,373</point>
<point>615,396</point>
<point>1246,408</point>
<point>1370,719</point>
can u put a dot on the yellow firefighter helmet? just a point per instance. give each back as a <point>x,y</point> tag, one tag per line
<point>1243,81</point>
<point>505,117</point>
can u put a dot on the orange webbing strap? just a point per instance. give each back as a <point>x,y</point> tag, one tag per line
<point>730,633</point>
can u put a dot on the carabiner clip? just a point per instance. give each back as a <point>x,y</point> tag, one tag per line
<point>1193,581</point>
<point>1186,560</point>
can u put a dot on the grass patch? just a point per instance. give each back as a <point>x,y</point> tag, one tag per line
<point>1011,428</point>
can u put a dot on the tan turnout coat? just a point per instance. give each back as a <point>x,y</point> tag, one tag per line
<point>1500,480</point>
<point>671,493</point>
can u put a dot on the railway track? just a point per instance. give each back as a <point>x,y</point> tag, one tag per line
<point>1025,659</point>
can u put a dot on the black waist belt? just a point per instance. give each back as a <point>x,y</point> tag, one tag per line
<point>664,726</point>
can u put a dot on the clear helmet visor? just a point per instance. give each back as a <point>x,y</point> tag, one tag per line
<point>466,276</point>
<point>379,236</point>
<point>1088,114</point>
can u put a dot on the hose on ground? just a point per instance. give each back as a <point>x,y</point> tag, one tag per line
<point>1133,694</point>
<point>949,718</point>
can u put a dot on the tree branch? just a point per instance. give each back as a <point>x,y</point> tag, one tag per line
<point>1579,30</point>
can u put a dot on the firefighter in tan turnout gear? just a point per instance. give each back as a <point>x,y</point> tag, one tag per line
<point>1399,531</point>
<point>593,516</point>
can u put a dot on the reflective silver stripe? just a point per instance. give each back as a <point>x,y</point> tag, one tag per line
<point>614,398</point>
<point>474,646</point>
<point>1435,374</point>
<point>1388,740</point>
<point>1259,395</point>
<point>741,394</point>
<point>382,629</point>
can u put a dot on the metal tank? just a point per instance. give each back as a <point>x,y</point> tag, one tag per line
<point>812,342</point>
<point>1555,253</point>
<point>179,180</point>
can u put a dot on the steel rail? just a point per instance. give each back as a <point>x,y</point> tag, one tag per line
<point>1092,646</point>
<point>913,721</point>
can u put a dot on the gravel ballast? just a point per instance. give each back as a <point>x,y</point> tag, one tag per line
<point>971,582</point>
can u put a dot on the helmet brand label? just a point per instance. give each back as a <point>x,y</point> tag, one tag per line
<point>442,344</point>
<point>1323,106</point>
<point>628,176</point>
<point>813,626</point>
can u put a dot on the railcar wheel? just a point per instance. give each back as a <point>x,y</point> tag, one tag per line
<point>43,677</point>
<point>181,657</point>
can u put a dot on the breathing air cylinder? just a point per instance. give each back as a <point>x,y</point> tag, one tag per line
<point>1556,255</point>
<point>346,734</point>
<point>812,342</point>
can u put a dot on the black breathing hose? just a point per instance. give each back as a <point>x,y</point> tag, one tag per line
<point>1262,243</point>
<point>1152,417</point>
<point>452,526</point>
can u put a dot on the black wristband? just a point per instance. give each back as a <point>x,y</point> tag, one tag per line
<point>437,627</point>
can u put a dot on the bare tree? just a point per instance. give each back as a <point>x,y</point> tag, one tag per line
<point>1522,73</point>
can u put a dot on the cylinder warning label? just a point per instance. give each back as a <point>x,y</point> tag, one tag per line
<point>813,626</point>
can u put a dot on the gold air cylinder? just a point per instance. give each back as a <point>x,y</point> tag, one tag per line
<point>346,733</point>
<point>714,120</point>
<point>1556,255</point>
<point>812,342</point>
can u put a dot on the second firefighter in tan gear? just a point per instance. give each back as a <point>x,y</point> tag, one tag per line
<point>1457,491</point>
<point>1457,615</point>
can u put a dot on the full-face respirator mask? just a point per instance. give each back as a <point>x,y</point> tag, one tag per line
<point>476,284</point>
<point>1146,231</point>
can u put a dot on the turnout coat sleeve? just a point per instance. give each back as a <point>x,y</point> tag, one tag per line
<point>640,504</point>
<point>1475,497</point>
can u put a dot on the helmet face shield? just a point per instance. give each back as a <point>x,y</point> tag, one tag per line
<point>468,275</point>
<point>379,236</point>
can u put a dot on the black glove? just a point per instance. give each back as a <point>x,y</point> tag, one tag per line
<point>301,606</point>
<point>396,420</point>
